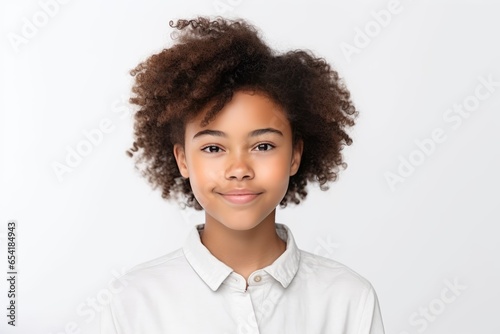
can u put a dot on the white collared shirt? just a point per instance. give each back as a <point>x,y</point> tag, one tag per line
<point>191,291</point>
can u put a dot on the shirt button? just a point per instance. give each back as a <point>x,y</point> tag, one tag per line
<point>257,278</point>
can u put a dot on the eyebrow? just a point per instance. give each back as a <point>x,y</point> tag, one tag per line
<point>254,133</point>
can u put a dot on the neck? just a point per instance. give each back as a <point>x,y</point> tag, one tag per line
<point>244,251</point>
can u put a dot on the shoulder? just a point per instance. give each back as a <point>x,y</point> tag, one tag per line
<point>162,268</point>
<point>343,293</point>
<point>328,272</point>
<point>170,259</point>
<point>143,287</point>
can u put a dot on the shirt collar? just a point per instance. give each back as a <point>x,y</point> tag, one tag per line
<point>213,271</point>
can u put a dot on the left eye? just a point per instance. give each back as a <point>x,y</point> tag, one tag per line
<point>211,149</point>
<point>264,147</point>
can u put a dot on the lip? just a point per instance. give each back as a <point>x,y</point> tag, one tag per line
<point>240,192</point>
<point>240,196</point>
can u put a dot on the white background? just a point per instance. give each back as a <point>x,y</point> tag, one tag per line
<point>438,226</point>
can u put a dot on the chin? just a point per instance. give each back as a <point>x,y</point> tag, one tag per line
<point>239,222</point>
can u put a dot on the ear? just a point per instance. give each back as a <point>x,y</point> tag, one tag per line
<point>296,157</point>
<point>180,158</point>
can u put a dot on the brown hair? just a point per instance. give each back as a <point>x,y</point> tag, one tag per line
<point>211,60</point>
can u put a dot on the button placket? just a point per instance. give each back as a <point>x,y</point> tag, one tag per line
<point>244,312</point>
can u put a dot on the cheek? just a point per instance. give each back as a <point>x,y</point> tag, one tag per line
<point>203,174</point>
<point>276,171</point>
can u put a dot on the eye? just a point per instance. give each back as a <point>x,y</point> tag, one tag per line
<point>265,147</point>
<point>211,149</point>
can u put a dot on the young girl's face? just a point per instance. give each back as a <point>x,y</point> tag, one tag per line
<point>239,165</point>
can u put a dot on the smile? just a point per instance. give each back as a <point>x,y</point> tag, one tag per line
<point>240,198</point>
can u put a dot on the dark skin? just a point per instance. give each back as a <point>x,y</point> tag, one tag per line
<point>244,252</point>
<point>248,150</point>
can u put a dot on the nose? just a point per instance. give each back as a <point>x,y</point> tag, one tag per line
<point>239,168</point>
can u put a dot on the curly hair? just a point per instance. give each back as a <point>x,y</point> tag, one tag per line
<point>211,61</point>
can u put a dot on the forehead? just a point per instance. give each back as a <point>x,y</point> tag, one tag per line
<point>245,112</point>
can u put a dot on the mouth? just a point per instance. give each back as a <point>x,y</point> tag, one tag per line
<point>240,198</point>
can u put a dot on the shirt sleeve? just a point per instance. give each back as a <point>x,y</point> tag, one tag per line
<point>371,318</point>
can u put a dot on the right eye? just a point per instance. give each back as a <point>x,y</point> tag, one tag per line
<point>211,149</point>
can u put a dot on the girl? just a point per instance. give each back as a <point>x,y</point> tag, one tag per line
<point>236,129</point>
